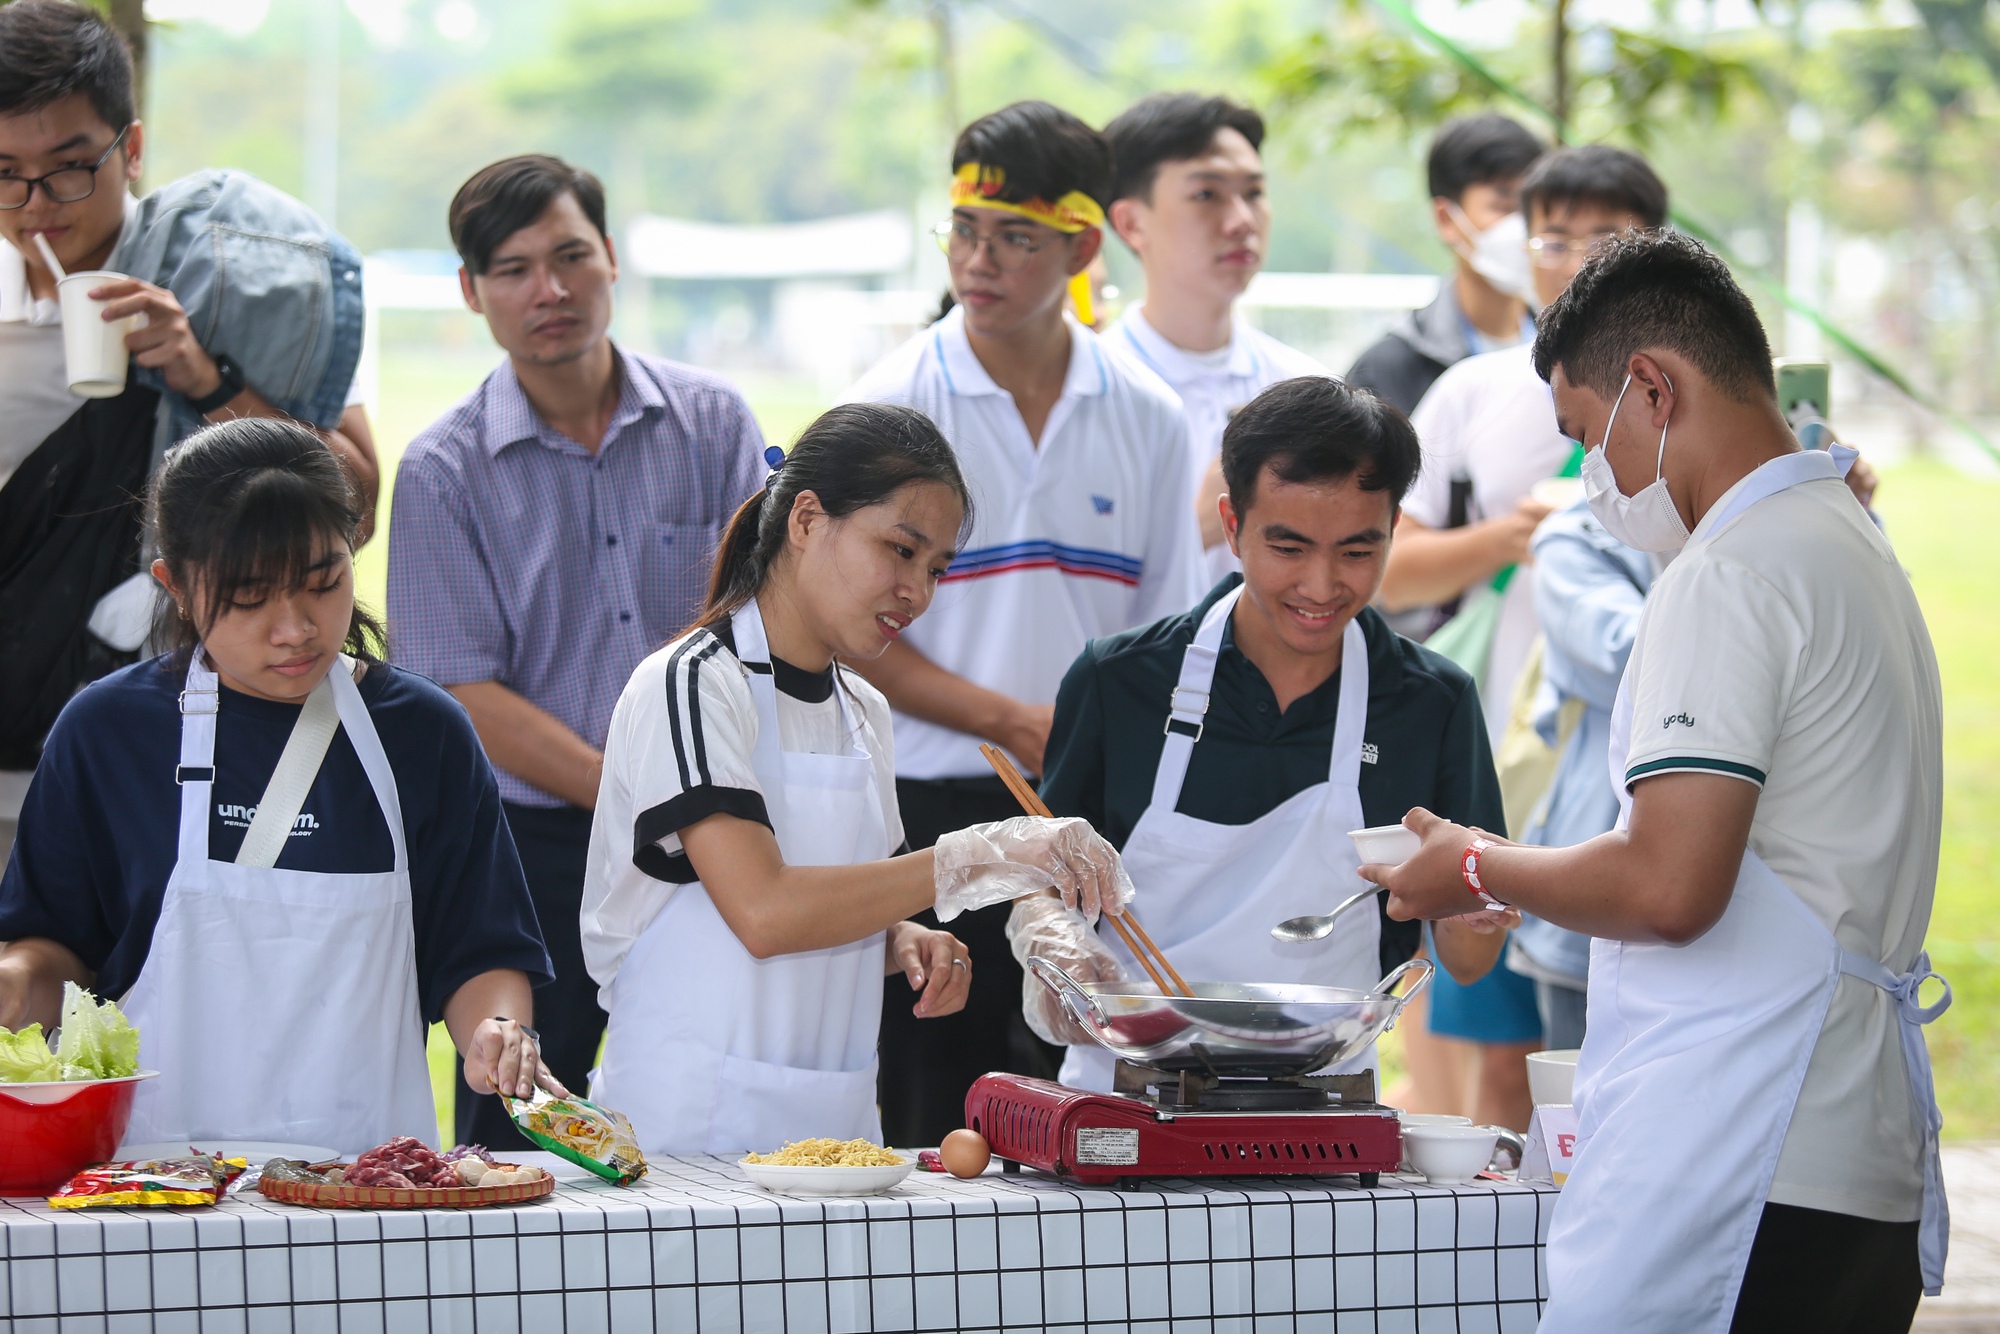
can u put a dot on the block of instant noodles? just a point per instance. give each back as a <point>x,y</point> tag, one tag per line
<point>595,1138</point>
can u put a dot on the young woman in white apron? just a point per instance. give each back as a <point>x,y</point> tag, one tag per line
<point>1712,978</point>
<point>276,1003</point>
<point>743,899</point>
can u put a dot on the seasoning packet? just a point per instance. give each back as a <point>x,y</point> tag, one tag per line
<point>595,1138</point>
<point>196,1179</point>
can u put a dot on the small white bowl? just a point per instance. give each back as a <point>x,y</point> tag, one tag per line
<point>1431,1119</point>
<point>1552,1077</point>
<point>1449,1155</point>
<point>783,1180</point>
<point>1388,844</point>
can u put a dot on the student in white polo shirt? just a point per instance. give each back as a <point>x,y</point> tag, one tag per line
<point>1758,1134</point>
<point>1188,197</point>
<point>1084,526</point>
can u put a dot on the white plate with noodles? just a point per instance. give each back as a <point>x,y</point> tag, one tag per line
<point>828,1167</point>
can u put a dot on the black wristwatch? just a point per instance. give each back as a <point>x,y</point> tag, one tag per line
<point>231,385</point>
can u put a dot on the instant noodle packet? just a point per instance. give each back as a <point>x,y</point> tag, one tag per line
<point>592,1137</point>
<point>195,1179</point>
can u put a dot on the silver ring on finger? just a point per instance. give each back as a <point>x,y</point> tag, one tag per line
<point>960,963</point>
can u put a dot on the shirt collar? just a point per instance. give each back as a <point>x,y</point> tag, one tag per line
<point>965,377</point>
<point>510,418</point>
<point>1174,363</point>
<point>17,303</point>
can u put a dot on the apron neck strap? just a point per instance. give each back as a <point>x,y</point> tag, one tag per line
<point>200,702</point>
<point>1188,707</point>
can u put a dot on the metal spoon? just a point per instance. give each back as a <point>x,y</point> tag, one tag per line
<point>1298,930</point>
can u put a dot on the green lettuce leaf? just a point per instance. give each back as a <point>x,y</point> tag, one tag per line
<point>96,1042</point>
<point>25,1057</point>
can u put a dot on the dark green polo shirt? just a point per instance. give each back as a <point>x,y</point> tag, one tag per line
<point>1424,743</point>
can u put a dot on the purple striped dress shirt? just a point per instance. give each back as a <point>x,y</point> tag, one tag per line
<point>518,556</point>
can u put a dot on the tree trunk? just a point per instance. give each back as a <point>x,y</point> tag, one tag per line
<point>1559,67</point>
<point>129,18</point>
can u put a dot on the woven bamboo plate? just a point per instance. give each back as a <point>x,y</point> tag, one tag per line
<point>395,1197</point>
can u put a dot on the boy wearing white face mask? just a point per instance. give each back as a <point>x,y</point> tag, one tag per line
<point>1489,433</point>
<point>1475,170</point>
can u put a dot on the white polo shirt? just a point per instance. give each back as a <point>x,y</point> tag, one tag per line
<point>1790,652</point>
<point>1086,534</point>
<point>1492,419</point>
<point>1212,386</point>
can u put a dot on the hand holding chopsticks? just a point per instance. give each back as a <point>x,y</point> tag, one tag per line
<point>1149,955</point>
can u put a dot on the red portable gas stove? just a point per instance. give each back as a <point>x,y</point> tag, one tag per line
<point>1178,1123</point>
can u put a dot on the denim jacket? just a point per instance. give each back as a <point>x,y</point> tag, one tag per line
<point>263,279</point>
<point>1589,592</point>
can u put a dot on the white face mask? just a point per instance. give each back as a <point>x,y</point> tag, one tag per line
<point>1499,254</point>
<point>1649,521</point>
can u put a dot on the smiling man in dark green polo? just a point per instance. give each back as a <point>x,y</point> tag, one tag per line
<point>1229,750</point>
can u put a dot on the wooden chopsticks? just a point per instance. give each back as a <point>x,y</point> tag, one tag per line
<point>1140,943</point>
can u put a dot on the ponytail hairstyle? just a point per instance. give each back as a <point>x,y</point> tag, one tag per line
<point>853,456</point>
<point>251,503</point>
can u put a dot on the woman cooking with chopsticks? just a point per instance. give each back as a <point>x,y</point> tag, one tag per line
<point>1230,749</point>
<point>743,898</point>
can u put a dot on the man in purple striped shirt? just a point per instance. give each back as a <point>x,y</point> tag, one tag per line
<point>549,532</point>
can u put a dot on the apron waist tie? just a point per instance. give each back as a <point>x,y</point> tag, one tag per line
<point>1912,1014</point>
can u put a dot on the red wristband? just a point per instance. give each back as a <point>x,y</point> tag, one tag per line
<point>1468,866</point>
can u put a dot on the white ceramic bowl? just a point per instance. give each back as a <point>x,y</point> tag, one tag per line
<point>1431,1119</point>
<point>1449,1155</point>
<point>256,1151</point>
<point>1552,1077</point>
<point>829,1180</point>
<point>1389,844</point>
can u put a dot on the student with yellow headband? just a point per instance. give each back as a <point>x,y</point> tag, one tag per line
<point>1077,459</point>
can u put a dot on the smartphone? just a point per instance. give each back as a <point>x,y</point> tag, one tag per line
<point>1804,394</point>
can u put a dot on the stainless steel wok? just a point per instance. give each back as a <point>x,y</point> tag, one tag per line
<point>1233,1029</point>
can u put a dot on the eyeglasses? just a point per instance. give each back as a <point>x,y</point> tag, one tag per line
<point>67,186</point>
<point>1011,250</point>
<point>1553,252</point>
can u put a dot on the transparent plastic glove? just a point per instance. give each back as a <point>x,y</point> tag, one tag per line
<point>1041,927</point>
<point>992,863</point>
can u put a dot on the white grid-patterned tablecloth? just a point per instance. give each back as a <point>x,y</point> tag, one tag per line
<point>696,1248</point>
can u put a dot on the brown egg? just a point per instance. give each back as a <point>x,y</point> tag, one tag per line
<point>965,1153</point>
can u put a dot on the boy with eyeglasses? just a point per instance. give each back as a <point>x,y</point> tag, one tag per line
<point>251,306</point>
<point>1083,526</point>
<point>1489,423</point>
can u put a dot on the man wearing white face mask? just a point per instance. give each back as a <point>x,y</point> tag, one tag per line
<point>1489,434</point>
<point>1475,170</point>
<point>1758,1132</point>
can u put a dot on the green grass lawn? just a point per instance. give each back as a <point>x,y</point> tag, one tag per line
<point>1939,520</point>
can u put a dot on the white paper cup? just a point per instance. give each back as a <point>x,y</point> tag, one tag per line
<point>1389,844</point>
<point>1558,493</point>
<point>93,347</point>
<point>1552,1076</point>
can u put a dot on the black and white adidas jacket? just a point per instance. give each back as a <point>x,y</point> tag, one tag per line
<point>680,749</point>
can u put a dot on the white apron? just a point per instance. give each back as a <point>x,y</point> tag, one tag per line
<point>712,1050</point>
<point>1692,1063</point>
<point>280,1005</point>
<point>1212,892</point>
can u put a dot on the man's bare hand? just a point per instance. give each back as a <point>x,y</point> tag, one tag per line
<point>1511,533</point>
<point>1025,734</point>
<point>165,341</point>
